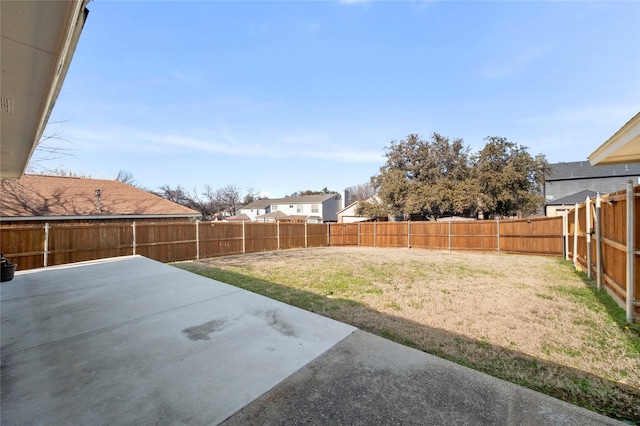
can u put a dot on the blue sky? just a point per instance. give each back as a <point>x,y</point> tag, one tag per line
<point>291,95</point>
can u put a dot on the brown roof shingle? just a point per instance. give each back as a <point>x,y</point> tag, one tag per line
<point>53,196</point>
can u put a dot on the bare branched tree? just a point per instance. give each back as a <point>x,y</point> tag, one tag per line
<point>361,192</point>
<point>126,176</point>
<point>52,146</point>
<point>229,198</point>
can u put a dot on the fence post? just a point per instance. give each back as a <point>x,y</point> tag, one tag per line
<point>197,239</point>
<point>630,251</point>
<point>358,234</point>
<point>575,236</point>
<point>133,242</point>
<point>588,228</point>
<point>305,234</point>
<point>449,235</point>
<point>565,233</point>
<point>409,234</point>
<point>328,234</point>
<point>598,244</point>
<point>278,232</point>
<point>374,233</point>
<point>498,232</point>
<point>46,244</point>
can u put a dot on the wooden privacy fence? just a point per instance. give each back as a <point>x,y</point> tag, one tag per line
<point>602,239</point>
<point>34,246</point>
<point>541,235</point>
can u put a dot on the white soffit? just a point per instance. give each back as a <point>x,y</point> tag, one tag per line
<point>38,39</point>
<point>621,148</point>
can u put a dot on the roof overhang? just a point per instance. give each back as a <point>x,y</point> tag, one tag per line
<point>621,148</point>
<point>38,39</point>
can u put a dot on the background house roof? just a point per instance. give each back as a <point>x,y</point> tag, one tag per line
<point>584,170</point>
<point>258,204</point>
<point>237,218</point>
<point>304,199</point>
<point>52,196</point>
<point>275,215</point>
<point>579,197</point>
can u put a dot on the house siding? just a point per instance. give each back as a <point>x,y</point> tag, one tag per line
<point>605,185</point>
<point>330,209</point>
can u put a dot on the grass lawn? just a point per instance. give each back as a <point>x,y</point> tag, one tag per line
<point>529,320</point>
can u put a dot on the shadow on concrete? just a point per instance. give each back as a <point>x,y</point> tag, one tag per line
<point>578,387</point>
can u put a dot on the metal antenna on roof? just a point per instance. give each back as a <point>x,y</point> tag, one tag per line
<point>99,198</point>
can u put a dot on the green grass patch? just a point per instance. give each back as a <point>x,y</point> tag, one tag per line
<point>337,290</point>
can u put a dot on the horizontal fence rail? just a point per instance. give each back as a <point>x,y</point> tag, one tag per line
<point>598,236</point>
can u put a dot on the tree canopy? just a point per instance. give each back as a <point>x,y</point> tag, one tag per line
<point>440,177</point>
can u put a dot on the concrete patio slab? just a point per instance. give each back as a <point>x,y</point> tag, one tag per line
<point>133,341</point>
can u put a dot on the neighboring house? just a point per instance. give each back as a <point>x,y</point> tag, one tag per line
<point>349,215</point>
<point>568,181</point>
<point>319,208</point>
<point>34,198</point>
<point>256,208</point>
<point>557,207</point>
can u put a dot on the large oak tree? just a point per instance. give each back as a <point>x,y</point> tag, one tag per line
<point>439,177</point>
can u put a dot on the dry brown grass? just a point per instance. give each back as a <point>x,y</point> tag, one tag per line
<point>530,320</point>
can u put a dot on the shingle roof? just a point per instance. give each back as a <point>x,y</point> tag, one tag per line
<point>237,218</point>
<point>52,196</point>
<point>578,197</point>
<point>303,199</point>
<point>258,204</point>
<point>273,215</point>
<point>584,170</point>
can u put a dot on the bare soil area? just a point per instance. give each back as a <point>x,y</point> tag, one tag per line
<point>530,320</point>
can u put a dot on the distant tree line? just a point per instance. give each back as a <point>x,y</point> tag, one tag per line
<point>209,202</point>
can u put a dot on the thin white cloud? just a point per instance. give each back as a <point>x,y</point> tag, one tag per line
<point>186,78</point>
<point>516,63</point>
<point>224,142</point>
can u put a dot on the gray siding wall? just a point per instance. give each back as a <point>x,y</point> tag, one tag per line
<point>330,209</point>
<point>563,188</point>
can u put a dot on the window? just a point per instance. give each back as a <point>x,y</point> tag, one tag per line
<point>274,207</point>
<point>314,208</point>
<point>299,208</point>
